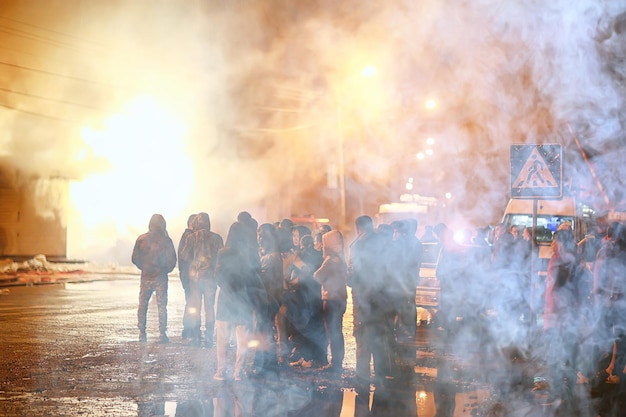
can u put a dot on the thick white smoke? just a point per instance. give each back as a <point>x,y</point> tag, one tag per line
<point>267,91</point>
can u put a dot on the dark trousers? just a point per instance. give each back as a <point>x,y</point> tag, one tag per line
<point>382,341</point>
<point>406,325</point>
<point>361,336</point>
<point>266,356</point>
<point>333,311</point>
<point>201,293</point>
<point>146,288</point>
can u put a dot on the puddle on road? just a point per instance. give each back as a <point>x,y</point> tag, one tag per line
<point>231,400</point>
<point>342,403</point>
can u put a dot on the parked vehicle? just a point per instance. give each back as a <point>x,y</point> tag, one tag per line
<point>550,215</point>
<point>427,291</point>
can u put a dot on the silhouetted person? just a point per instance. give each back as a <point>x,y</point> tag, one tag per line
<point>202,246</point>
<point>429,236</point>
<point>305,306</point>
<point>561,316</point>
<point>184,260</point>
<point>332,277</point>
<point>267,301</point>
<point>154,254</point>
<point>363,270</point>
<point>237,277</point>
<point>408,259</point>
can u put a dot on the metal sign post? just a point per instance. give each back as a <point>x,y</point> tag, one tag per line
<point>536,173</point>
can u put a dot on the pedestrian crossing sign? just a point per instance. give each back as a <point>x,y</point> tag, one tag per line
<point>536,171</point>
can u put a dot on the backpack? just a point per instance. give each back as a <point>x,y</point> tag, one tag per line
<point>201,262</point>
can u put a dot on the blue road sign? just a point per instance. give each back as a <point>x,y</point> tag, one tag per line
<point>536,171</point>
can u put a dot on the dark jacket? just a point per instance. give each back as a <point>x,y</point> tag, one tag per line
<point>202,247</point>
<point>237,273</point>
<point>333,272</point>
<point>154,252</point>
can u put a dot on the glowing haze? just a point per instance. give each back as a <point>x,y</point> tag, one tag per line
<point>178,107</point>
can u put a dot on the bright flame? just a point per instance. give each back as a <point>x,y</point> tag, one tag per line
<point>368,71</point>
<point>430,104</point>
<point>148,173</point>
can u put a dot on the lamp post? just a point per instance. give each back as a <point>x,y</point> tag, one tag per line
<point>342,167</point>
<point>367,71</point>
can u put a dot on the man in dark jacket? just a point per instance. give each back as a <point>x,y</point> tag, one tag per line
<point>184,262</point>
<point>373,325</point>
<point>201,247</point>
<point>155,256</point>
<point>408,259</point>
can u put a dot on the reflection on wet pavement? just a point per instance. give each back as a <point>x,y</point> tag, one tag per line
<point>72,350</point>
<point>236,401</point>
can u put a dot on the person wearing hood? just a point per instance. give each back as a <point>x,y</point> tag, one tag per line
<point>154,254</point>
<point>202,247</point>
<point>237,273</point>
<point>184,261</point>
<point>332,277</point>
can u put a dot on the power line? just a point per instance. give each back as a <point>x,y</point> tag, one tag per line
<point>82,40</point>
<point>54,100</point>
<point>26,35</point>
<point>31,113</point>
<point>54,74</point>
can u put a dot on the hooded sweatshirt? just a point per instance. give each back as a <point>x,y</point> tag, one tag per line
<point>333,272</point>
<point>154,252</point>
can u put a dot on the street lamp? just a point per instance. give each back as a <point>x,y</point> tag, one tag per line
<point>342,168</point>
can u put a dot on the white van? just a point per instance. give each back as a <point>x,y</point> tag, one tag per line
<point>550,215</point>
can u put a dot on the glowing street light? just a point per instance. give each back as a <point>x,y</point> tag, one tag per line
<point>409,184</point>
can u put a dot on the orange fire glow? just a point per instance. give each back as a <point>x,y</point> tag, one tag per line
<point>148,172</point>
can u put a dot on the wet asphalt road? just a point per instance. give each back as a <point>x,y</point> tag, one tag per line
<point>71,349</point>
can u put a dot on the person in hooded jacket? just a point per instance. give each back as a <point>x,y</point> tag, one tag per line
<point>408,251</point>
<point>365,272</point>
<point>267,301</point>
<point>610,306</point>
<point>184,261</point>
<point>295,320</point>
<point>284,230</point>
<point>202,247</point>
<point>332,275</point>
<point>561,314</point>
<point>305,307</point>
<point>154,254</point>
<point>237,274</point>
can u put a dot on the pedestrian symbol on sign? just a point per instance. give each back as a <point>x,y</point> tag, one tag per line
<point>535,169</point>
<point>537,173</point>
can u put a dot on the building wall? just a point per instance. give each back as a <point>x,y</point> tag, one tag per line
<point>24,230</point>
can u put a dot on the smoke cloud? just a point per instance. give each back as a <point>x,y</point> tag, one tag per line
<point>265,92</point>
<point>179,107</point>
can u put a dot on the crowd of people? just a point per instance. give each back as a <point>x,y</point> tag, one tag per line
<point>282,288</point>
<point>581,337</point>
